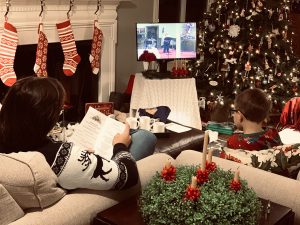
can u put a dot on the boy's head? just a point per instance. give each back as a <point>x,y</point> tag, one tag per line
<point>253,105</point>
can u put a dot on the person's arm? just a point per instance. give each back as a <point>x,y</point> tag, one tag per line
<point>80,168</point>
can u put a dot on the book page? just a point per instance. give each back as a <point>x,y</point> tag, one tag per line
<point>96,131</point>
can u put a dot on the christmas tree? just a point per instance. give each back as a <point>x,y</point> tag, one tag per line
<point>245,44</point>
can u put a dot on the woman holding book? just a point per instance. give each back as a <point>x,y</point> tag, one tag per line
<point>30,110</point>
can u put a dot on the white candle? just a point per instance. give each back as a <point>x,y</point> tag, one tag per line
<point>194,182</point>
<point>168,164</point>
<point>209,155</point>
<point>204,151</point>
<point>237,175</point>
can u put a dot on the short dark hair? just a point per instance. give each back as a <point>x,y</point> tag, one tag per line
<point>30,110</point>
<point>254,104</point>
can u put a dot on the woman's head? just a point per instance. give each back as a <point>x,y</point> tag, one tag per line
<point>30,109</point>
<point>253,104</point>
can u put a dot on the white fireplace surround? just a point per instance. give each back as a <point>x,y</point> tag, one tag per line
<point>24,15</point>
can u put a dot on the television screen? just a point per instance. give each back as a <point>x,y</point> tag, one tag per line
<point>167,40</point>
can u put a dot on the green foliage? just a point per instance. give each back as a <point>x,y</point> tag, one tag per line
<point>163,202</point>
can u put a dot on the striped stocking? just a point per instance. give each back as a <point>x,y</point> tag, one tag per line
<point>67,41</point>
<point>8,47</point>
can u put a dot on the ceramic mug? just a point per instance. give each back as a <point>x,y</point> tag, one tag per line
<point>158,127</point>
<point>133,122</point>
<point>145,122</point>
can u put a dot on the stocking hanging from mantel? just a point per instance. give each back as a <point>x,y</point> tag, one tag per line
<point>40,66</point>
<point>68,44</point>
<point>8,47</point>
<point>95,55</point>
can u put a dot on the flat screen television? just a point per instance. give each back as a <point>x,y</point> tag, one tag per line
<point>168,41</point>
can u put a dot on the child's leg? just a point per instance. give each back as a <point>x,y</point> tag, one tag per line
<point>142,144</point>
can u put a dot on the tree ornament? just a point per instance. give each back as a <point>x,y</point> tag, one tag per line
<point>265,81</point>
<point>270,77</point>
<point>220,98</point>
<point>211,27</point>
<point>275,31</point>
<point>248,66</point>
<point>212,50</point>
<point>295,79</point>
<point>242,14</point>
<point>266,64</point>
<point>269,40</point>
<point>218,44</point>
<point>231,61</point>
<point>280,18</point>
<point>253,4</point>
<point>225,67</point>
<point>250,48</point>
<point>270,13</point>
<point>234,30</point>
<point>213,83</point>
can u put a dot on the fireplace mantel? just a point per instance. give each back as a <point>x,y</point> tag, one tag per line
<point>24,15</point>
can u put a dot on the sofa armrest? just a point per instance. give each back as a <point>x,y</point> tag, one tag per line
<point>267,185</point>
<point>148,166</point>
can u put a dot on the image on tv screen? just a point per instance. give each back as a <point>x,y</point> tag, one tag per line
<point>167,40</point>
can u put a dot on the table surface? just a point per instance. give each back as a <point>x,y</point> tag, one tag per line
<point>180,95</point>
<point>126,213</point>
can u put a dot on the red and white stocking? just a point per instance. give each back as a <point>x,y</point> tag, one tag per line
<point>8,47</point>
<point>96,48</point>
<point>40,66</point>
<point>67,41</point>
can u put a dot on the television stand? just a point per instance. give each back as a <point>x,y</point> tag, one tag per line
<point>153,74</point>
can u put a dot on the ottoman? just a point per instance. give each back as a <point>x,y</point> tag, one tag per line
<point>173,143</point>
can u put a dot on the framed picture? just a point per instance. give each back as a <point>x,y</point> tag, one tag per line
<point>106,108</point>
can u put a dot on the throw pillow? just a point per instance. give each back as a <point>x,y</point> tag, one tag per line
<point>10,210</point>
<point>29,179</point>
<point>283,161</point>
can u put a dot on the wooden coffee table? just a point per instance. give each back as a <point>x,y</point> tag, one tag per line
<point>126,213</point>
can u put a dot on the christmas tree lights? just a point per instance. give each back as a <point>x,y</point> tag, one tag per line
<point>246,44</point>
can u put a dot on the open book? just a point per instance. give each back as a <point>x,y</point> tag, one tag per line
<point>96,131</point>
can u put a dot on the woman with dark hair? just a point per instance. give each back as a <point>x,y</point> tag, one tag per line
<point>30,110</point>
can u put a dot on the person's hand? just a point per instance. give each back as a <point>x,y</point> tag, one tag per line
<point>124,137</point>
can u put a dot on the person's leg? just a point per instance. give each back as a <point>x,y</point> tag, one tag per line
<point>142,144</point>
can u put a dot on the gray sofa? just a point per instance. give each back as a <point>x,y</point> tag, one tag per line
<point>79,207</point>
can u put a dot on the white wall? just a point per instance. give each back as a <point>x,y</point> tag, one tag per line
<point>126,60</point>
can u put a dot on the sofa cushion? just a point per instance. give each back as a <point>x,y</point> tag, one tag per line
<point>10,210</point>
<point>29,179</point>
<point>278,189</point>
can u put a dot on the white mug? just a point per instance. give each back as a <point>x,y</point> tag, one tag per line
<point>145,122</point>
<point>158,127</point>
<point>133,122</point>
